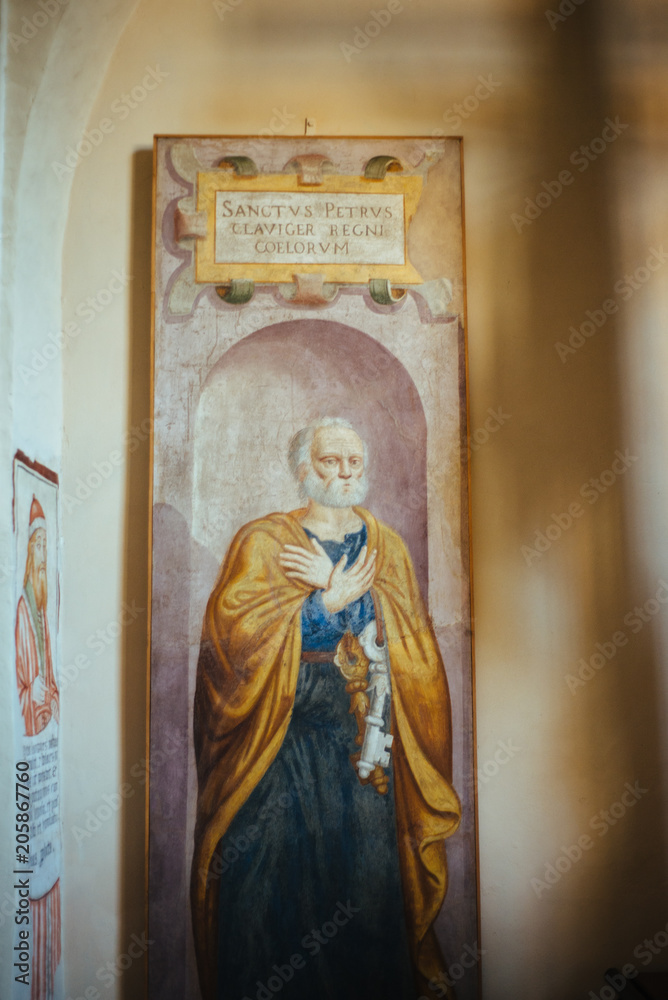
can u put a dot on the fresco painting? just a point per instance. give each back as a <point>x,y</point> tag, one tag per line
<point>311,645</point>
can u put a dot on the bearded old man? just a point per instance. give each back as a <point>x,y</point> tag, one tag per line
<point>39,701</point>
<point>38,694</point>
<point>323,746</point>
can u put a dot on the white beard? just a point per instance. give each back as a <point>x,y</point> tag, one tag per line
<point>336,495</point>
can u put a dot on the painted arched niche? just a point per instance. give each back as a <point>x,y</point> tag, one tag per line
<point>275,381</point>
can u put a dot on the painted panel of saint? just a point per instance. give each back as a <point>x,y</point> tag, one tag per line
<point>310,628</point>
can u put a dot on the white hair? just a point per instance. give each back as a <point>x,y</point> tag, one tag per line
<point>299,450</point>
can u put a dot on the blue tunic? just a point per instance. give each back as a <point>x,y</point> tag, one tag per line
<point>310,900</point>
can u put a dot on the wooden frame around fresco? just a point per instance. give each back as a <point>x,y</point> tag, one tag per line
<point>181,958</point>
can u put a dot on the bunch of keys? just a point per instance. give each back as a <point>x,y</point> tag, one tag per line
<point>356,657</point>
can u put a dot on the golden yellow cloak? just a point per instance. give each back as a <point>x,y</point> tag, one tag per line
<point>246,682</point>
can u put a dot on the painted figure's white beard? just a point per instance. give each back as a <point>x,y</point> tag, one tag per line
<point>336,495</point>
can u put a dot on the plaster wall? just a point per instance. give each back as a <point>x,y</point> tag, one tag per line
<point>531,91</point>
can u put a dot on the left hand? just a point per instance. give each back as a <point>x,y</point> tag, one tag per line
<point>312,568</point>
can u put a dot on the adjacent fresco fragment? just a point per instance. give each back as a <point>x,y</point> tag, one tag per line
<point>38,855</point>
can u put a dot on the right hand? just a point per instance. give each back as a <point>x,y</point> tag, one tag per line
<point>346,587</point>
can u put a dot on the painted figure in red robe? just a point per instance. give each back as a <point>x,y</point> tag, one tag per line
<point>40,703</point>
<point>38,694</point>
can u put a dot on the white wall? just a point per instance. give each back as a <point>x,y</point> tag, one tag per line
<point>551,91</point>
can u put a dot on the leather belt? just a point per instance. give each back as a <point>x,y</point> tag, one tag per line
<point>318,656</point>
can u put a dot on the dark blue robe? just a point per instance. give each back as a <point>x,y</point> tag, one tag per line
<point>310,900</point>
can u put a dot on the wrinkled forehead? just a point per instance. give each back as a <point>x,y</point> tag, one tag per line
<point>336,441</point>
<point>38,541</point>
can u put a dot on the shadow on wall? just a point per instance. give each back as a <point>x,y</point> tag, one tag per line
<point>560,480</point>
<point>136,568</point>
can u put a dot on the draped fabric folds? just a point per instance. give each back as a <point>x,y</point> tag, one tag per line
<point>246,682</point>
<point>33,659</point>
<point>45,917</point>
